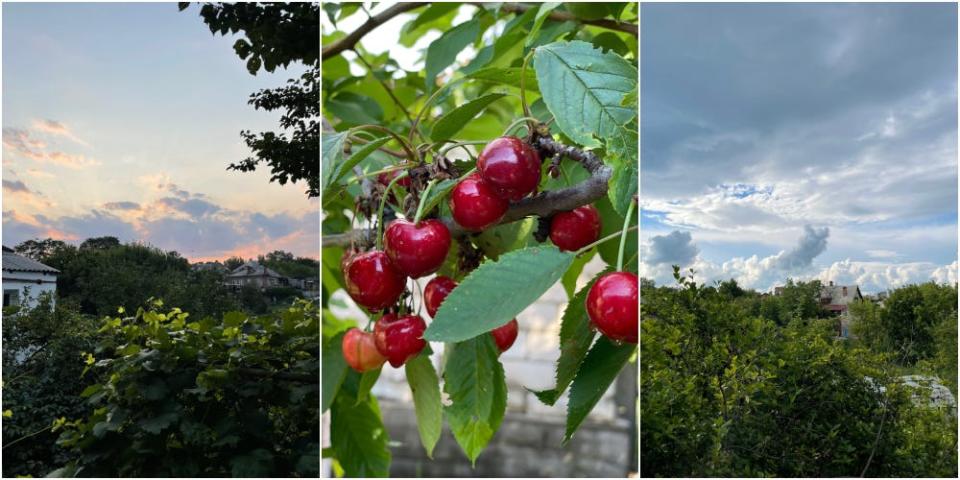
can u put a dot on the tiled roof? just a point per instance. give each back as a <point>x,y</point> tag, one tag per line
<point>14,262</point>
<point>253,269</point>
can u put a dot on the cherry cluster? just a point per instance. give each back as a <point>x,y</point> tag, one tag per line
<point>508,170</point>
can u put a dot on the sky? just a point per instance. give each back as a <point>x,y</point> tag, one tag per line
<point>121,119</point>
<point>809,141</point>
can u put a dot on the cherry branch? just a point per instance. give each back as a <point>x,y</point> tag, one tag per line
<point>560,16</point>
<point>542,205</point>
<point>350,41</point>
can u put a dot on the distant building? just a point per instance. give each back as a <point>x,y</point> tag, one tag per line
<point>836,299</point>
<point>256,275</point>
<point>24,279</point>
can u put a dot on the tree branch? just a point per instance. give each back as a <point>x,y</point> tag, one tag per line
<point>543,204</point>
<point>630,28</point>
<point>350,41</point>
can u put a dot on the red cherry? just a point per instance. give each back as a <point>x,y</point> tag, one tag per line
<point>435,291</point>
<point>417,250</point>
<point>573,230</point>
<point>510,167</point>
<point>372,280</point>
<point>613,305</point>
<point>386,177</point>
<point>360,351</point>
<point>506,335</point>
<point>399,337</point>
<point>474,204</point>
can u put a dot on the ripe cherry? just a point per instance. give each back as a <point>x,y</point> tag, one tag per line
<point>386,177</point>
<point>474,204</point>
<point>435,291</point>
<point>573,230</point>
<point>360,351</point>
<point>613,306</point>
<point>417,250</point>
<point>506,335</point>
<point>510,167</point>
<point>373,281</point>
<point>399,337</point>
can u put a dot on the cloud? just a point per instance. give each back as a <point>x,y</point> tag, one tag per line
<point>33,172</point>
<point>812,243</point>
<point>15,186</point>
<point>70,161</point>
<point>54,127</point>
<point>878,276</point>
<point>675,248</point>
<point>22,142</point>
<point>193,207</point>
<point>121,206</point>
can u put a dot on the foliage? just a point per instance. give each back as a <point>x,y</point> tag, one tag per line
<point>39,249</point>
<point>726,392</point>
<point>276,35</point>
<point>431,123</point>
<point>43,358</point>
<point>286,264</point>
<point>189,397</point>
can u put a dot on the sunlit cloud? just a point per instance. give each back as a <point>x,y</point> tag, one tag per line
<point>54,127</point>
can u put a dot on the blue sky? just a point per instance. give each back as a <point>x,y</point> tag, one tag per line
<point>120,119</point>
<point>800,140</point>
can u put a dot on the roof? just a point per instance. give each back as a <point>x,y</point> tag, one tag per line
<point>253,269</point>
<point>14,262</point>
<point>836,291</point>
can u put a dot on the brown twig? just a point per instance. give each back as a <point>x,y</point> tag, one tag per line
<point>560,16</point>
<point>348,42</point>
<point>543,204</point>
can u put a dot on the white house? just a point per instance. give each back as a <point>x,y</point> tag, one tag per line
<point>252,273</point>
<point>24,279</point>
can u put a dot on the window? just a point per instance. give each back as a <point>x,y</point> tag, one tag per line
<point>11,298</point>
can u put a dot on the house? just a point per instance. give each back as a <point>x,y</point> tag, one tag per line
<point>24,279</point>
<point>209,266</point>
<point>836,299</point>
<point>256,275</point>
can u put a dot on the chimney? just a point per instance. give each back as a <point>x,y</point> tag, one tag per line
<point>831,283</point>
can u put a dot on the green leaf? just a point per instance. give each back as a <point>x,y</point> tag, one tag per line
<point>575,339</point>
<point>507,76</point>
<point>257,463</point>
<point>570,277</point>
<point>496,292</point>
<point>443,51</point>
<point>598,371</point>
<point>425,387</point>
<point>364,152</point>
<point>367,380</point>
<point>334,370</point>
<point>507,237</point>
<point>159,422</point>
<point>438,15</point>
<point>332,154</point>
<point>583,88</point>
<point>358,437</point>
<point>475,382</point>
<point>456,119</point>
<point>438,193</point>
<point>542,13</point>
<point>611,222</point>
<point>354,108</point>
<point>623,185</point>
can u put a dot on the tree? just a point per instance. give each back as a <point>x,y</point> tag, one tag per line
<point>395,146</point>
<point>39,249</point>
<point>276,35</point>
<point>100,243</point>
<point>233,263</point>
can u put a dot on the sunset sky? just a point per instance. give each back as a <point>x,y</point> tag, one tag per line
<point>800,140</point>
<point>121,119</point>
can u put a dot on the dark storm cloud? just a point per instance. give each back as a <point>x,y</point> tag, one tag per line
<point>812,243</point>
<point>15,186</point>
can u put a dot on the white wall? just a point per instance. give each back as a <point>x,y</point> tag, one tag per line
<point>26,284</point>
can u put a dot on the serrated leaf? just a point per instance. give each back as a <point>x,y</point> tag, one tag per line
<point>583,87</point>
<point>456,119</point>
<point>355,109</point>
<point>438,193</point>
<point>598,371</point>
<point>331,153</point>
<point>542,13</point>
<point>425,387</point>
<point>358,437</point>
<point>341,169</point>
<point>575,339</point>
<point>367,380</point>
<point>623,185</point>
<point>507,76</point>
<point>334,370</point>
<point>570,277</point>
<point>475,382</point>
<point>496,292</point>
<point>443,51</point>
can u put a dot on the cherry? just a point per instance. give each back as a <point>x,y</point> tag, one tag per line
<point>435,291</point>
<point>474,204</point>
<point>360,351</point>
<point>417,250</point>
<point>399,337</point>
<point>613,305</point>
<point>386,177</point>
<point>573,230</point>
<point>505,335</point>
<point>510,167</point>
<point>372,280</point>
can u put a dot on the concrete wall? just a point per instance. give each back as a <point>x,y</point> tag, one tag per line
<point>30,285</point>
<point>528,443</point>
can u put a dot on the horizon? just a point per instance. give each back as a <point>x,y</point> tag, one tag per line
<point>121,119</point>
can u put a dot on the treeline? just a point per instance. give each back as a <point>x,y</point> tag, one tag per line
<point>736,383</point>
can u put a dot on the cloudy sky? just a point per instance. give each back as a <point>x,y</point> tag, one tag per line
<point>804,141</point>
<point>120,119</point>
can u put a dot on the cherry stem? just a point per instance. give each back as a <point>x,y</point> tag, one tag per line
<point>412,154</point>
<point>519,121</point>
<point>461,144</point>
<point>375,173</point>
<point>383,202</point>
<point>423,201</point>
<point>604,239</point>
<point>523,89</point>
<point>623,237</point>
